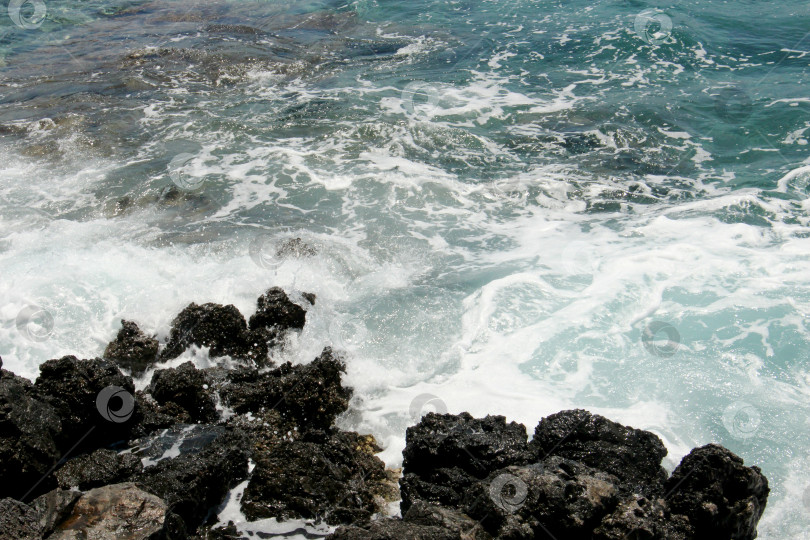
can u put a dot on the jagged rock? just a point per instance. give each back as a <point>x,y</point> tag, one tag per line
<point>274,309</point>
<point>720,495</point>
<point>639,517</point>
<point>53,508</point>
<point>150,416</point>
<point>120,511</point>
<point>187,388</point>
<point>220,328</point>
<point>557,497</point>
<point>331,476</point>
<point>29,433</point>
<point>73,386</point>
<point>18,521</point>
<point>445,454</point>
<point>309,395</point>
<point>132,349</point>
<point>100,468</point>
<point>194,483</point>
<point>632,455</point>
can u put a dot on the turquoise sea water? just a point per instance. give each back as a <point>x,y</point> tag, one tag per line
<point>518,206</point>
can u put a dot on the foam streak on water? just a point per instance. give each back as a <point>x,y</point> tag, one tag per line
<point>518,206</point>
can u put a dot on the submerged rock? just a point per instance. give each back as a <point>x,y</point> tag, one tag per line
<point>446,454</point>
<point>99,468</point>
<point>632,455</point>
<point>187,388</point>
<point>120,511</point>
<point>720,495</point>
<point>132,349</point>
<point>310,395</point>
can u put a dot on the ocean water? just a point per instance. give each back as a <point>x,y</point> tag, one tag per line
<point>517,206</point>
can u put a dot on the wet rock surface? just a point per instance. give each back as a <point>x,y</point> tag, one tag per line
<point>220,328</point>
<point>72,387</point>
<point>633,455</point>
<point>164,468</point>
<point>447,454</point>
<point>29,430</point>
<point>186,388</point>
<point>332,476</point>
<point>718,493</point>
<point>96,469</point>
<point>194,483</point>
<point>275,309</point>
<point>309,395</point>
<point>132,349</point>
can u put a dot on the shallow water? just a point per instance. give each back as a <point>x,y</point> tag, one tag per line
<point>518,206</point>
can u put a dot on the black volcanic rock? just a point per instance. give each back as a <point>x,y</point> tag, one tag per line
<point>632,455</point>
<point>332,476</point>
<point>73,386</point>
<point>557,497</point>
<point>185,387</point>
<point>192,484</point>
<point>445,454</point>
<point>29,430</point>
<point>639,517</point>
<point>720,495</point>
<point>99,468</point>
<point>132,349</point>
<point>309,395</point>
<point>422,522</point>
<point>220,328</point>
<point>275,309</point>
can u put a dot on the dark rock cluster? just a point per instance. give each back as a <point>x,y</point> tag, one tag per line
<point>82,455</point>
<point>582,477</point>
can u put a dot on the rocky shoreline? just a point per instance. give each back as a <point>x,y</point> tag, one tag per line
<point>85,456</point>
